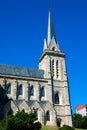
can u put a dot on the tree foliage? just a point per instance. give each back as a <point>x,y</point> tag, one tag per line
<point>84,122</point>
<point>79,121</point>
<point>3,100</point>
<point>21,121</point>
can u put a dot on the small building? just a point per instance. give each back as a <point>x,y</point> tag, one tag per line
<point>82,110</point>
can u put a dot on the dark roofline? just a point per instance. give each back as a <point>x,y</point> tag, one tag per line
<point>20,71</point>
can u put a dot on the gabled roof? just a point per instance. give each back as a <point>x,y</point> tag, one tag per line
<point>17,102</point>
<point>43,103</point>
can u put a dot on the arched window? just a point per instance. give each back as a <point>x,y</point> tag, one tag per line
<point>8,89</point>
<point>48,116</point>
<point>57,98</point>
<point>42,92</point>
<point>20,89</point>
<point>57,68</point>
<point>36,113</point>
<point>53,49</point>
<point>32,91</point>
<point>23,110</point>
<point>53,67</point>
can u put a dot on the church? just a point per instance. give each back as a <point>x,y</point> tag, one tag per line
<point>43,91</point>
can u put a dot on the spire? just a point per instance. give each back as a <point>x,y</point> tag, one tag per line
<point>45,45</point>
<point>50,31</point>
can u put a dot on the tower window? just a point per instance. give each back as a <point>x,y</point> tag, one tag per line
<point>53,49</point>
<point>20,90</point>
<point>52,67</point>
<point>8,91</point>
<point>57,98</point>
<point>42,92</point>
<point>32,91</point>
<point>48,116</point>
<point>57,68</point>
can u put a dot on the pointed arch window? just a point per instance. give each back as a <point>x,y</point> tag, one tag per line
<point>48,116</point>
<point>56,98</point>
<point>8,89</point>
<point>23,110</point>
<point>53,67</point>
<point>42,92</point>
<point>36,113</point>
<point>32,90</point>
<point>20,89</point>
<point>53,49</point>
<point>57,68</point>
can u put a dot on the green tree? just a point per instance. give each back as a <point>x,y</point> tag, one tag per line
<point>77,119</point>
<point>21,121</point>
<point>84,122</point>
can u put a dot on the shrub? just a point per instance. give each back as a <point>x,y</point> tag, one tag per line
<point>77,120</point>
<point>66,127</point>
<point>84,122</point>
<point>2,125</point>
<point>37,125</point>
<point>20,121</point>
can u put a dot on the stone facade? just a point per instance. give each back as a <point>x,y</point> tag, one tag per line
<point>44,91</point>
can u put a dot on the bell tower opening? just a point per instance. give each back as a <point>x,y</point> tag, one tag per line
<point>53,49</point>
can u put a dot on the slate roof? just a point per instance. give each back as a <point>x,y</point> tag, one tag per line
<point>43,103</point>
<point>19,71</point>
<point>17,102</point>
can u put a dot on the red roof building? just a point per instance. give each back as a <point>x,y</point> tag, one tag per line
<point>82,110</point>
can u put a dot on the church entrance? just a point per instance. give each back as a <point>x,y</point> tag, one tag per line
<point>58,122</point>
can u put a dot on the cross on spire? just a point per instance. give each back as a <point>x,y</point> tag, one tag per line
<point>49,6</point>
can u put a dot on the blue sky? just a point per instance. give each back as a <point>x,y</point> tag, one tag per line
<point>23,27</point>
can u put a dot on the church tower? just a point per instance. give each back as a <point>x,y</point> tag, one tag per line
<point>52,61</point>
